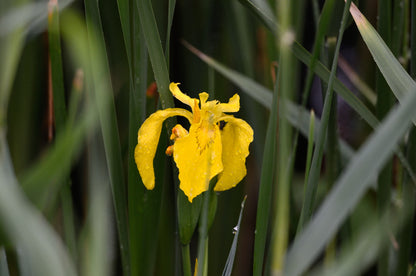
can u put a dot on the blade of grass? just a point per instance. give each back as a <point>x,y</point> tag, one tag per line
<point>282,181</point>
<point>259,93</point>
<point>4,269</point>
<point>23,16</point>
<point>96,234</point>
<point>361,86</point>
<point>350,187</point>
<point>322,28</point>
<point>332,155</point>
<point>355,257</point>
<point>311,188</point>
<point>125,10</point>
<point>171,11</point>
<point>154,46</point>
<point>323,25</point>
<point>397,78</point>
<point>406,235</point>
<point>236,231</point>
<point>11,45</point>
<point>262,11</point>
<point>385,100</point>
<point>311,139</point>
<point>139,213</point>
<point>43,248</point>
<point>265,189</point>
<point>56,66</point>
<point>60,117</point>
<point>161,73</point>
<point>41,181</point>
<point>408,199</point>
<point>108,121</point>
<point>397,27</point>
<point>243,34</point>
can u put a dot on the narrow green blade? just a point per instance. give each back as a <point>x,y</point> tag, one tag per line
<point>262,11</point>
<point>154,46</point>
<point>396,76</point>
<point>109,127</point>
<point>44,250</point>
<point>350,187</point>
<point>4,269</point>
<point>236,231</point>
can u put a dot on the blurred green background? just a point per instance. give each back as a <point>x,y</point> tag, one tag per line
<point>79,77</point>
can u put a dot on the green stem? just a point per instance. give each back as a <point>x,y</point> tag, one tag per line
<point>186,260</point>
<point>408,194</point>
<point>286,72</point>
<point>203,234</point>
<point>384,102</point>
<point>332,151</point>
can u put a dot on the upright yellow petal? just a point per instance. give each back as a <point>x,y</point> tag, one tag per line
<point>233,104</point>
<point>147,140</point>
<point>236,137</point>
<point>178,94</point>
<point>198,158</point>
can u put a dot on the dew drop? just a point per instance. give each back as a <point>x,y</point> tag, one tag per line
<point>235,229</point>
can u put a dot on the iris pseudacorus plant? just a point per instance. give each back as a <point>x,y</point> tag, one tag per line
<point>201,153</point>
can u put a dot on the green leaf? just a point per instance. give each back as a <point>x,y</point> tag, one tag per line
<point>398,79</point>
<point>262,11</point>
<point>43,249</point>
<point>236,231</point>
<point>108,122</point>
<point>4,269</point>
<point>188,215</point>
<point>11,46</point>
<point>59,107</point>
<point>60,116</point>
<point>312,185</point>
<point>154,46</point>
<point>94,239</point>
<point>266,187</point>
<point>350,187</point>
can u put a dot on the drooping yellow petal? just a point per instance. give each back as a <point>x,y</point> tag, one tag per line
<point>236,137</point>
<point>178,94</point>
<point>148,139</point>
<point>198,158</point>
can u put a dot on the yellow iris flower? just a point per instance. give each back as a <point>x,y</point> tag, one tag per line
<point>203,152</point>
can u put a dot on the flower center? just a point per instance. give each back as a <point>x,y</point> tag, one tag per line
<point>205,135</point>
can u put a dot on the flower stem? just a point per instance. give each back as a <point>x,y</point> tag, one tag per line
<point>186,260</point>
<point>203,233</point>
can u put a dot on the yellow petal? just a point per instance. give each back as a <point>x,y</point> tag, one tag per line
<point>233,104</point>
<point>196,267</point>
<point>198,158</point>
<point>203,97</point>
<point>147,140</point>
<point>177,93</point>
<point>236,137</point>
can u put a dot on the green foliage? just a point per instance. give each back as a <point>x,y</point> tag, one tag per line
<point>327,195</point>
